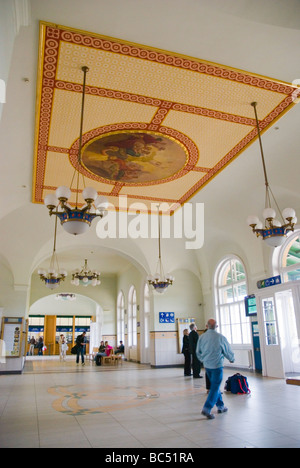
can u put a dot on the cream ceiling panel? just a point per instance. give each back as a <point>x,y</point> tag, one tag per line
<point>99,111</point>
<point>59,171</point>
<point>142,106</point>
<point>169,191</point>
<point>214,138</point>
<point>149,78</point>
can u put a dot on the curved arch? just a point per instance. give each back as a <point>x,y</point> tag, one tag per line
<point>84,304</point>
<point>286,259</point>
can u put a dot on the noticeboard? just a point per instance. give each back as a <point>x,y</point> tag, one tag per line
<point>12,335</point>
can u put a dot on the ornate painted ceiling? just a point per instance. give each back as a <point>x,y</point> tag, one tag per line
<point>157,126</point>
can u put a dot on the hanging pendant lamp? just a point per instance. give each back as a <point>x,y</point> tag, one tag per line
<point>55,275</point>
<point>77,220</point>
<point>159,281</point>
<point>273,231</point>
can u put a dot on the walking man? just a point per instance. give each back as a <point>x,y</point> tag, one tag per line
<point>80,341</point>
<point>212,347</point>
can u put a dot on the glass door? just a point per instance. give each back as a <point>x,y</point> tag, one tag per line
<point>273,364</point>
<point>288,332</point>
<point>279,326</point>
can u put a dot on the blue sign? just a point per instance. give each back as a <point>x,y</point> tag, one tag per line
<point>269,282</point>
<point>166,317</point>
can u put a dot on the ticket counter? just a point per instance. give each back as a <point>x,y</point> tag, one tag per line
<point>50,327</point>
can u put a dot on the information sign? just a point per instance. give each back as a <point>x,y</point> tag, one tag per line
<point>269,282</point>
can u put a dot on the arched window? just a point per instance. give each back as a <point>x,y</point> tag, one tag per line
<point>120,318</point>
<point>132,317</point>
<point>231,289</point>
<point>147,315</point>
<point>289,258</point>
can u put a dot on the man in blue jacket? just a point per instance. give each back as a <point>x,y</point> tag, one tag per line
<point>211,349</point>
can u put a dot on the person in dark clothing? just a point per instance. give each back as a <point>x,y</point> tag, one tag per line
<point>186,352</point>
<point>193,340</point>
<point>101,347</point>
<point>80,342</point>
<point>40,346</point>
<point>120,349</point>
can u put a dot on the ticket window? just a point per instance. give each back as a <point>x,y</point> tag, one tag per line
<point>64,326</point>
<point>36,325</point>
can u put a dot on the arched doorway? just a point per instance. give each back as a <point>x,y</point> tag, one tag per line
<point>67,314</point>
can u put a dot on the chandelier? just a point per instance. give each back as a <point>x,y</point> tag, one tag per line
<point>65,297</point>
<point>273,231</point>
<point>76,220</point>
<point>54,276</point>
<point>85,276</point>
<point>159,280</point>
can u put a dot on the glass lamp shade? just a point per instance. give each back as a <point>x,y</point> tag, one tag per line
<point>75,227</point>
<point>101,203</point>
<point>42,272</point>
<point>275,241</point>
<point>89,193</point>
<point>288,213</point>
<point>52,284</point>
<point>51,200</point>
<point>160,287</point>
<point>252,220</point>
<point>276,223</point>
<point>63,192</point>
<point>269,213</point>
<point>274,237</point>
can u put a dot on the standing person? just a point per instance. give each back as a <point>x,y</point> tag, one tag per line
<point>80,342</point>
<point>186,352</point>
<point>212,347</point>
<point>64,348</point>
<point>31,348</point>
<point>193,340</point>
<point>40,346</point>
<point>60,340</point>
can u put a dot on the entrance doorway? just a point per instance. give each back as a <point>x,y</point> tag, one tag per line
<point>279,320</point>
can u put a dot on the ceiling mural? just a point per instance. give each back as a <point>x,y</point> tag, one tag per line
<point>151,117</point>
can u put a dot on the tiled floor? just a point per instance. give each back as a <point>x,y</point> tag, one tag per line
<point>55,404</point>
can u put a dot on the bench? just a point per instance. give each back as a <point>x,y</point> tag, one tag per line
<point>295,381</point>
<point>108,358</point>
<point>117,357</point>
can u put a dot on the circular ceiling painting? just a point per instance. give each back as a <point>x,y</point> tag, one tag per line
<point>134,157</point>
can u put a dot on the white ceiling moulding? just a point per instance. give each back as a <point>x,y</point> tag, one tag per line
<point>21,13</point>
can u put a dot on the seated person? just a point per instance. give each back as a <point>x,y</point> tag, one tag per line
<point>101,347</point>
<point>120,349</point>
<point>107,351</point>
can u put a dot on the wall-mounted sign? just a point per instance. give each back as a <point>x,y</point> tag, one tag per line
<point>269,282</point>
<point>166,317</point>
